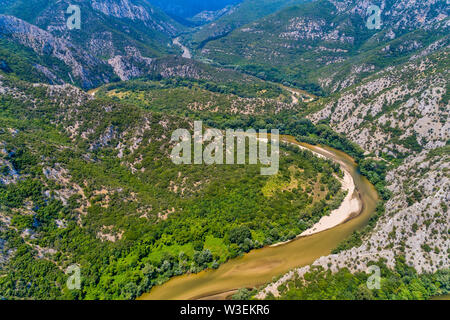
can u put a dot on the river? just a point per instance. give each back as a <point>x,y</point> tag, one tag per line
<point>444,297</point>
<point>260,266</point>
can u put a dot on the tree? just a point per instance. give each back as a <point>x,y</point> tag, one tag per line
<point>130,291</point>
<point>239,234</point>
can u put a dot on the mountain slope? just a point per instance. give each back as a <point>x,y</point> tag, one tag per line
<point>398,110</point>
<point>117,38</point>
<point>400,116</point>
<point>187,8</point>
<point>294,44</point>
<point>90,182</point>
<point>242,14</point>
<point>84,67</point>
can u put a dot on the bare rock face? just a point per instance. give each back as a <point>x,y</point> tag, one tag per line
<point>395,106</point>
<point>83,65</point>
<point>86,51</point>
<point>121,9</point>
<point>417,230</point>
<point>399,14</point>
<point>39,40</point>
<point>131,66</point>
<point>128,10</point>
<point>101,44</point>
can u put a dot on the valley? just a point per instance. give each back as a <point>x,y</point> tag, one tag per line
<point>88,181</point>
<point>260,266</point>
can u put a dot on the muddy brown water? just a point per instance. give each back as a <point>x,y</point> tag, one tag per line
<point>261,266</point>
<point>444,297</point>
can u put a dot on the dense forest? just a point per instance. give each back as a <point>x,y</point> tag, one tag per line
<point>94,186</point>
<point>400,283</point>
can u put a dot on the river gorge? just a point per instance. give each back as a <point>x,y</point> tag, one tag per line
<point>262,265</point>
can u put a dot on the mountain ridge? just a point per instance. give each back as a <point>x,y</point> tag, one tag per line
<point>301,40</point>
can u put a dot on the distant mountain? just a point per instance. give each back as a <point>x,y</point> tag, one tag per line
<point>294,44</point>
<point>244,13</point>
<point>212,15</point>
<point>117,39</point>
<point>188,8</point>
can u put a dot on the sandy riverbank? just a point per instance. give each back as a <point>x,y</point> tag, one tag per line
<point>350,207</point>
<point>258,267</point>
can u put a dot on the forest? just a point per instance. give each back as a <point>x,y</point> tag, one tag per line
<point>399,283</point>
<point>128,216</point>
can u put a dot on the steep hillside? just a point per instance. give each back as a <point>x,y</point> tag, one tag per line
<point>398,110</point>
<point>242,14</point>
<point>400,116</point>
<point>175,66</point>
<point>117,38</point>
<point>413,231</point>
<point>115,43</point>
<point>90,182</point>
<point>302,43</point>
